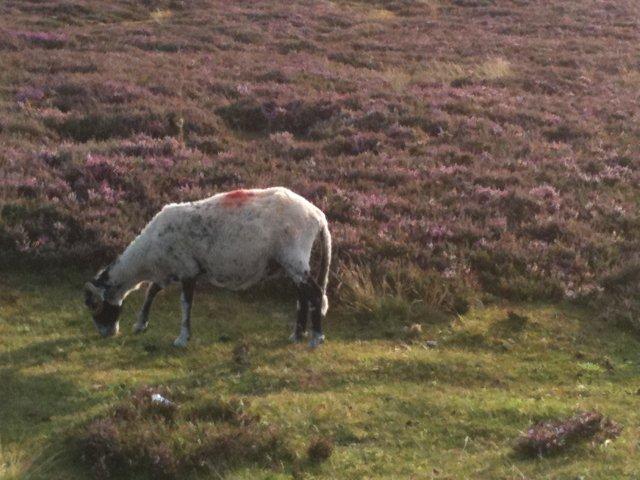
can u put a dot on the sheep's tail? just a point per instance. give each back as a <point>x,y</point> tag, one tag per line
<point>326,262</point>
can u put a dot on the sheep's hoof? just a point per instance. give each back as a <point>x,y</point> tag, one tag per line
<point>296,337</point>
<point>139,327</point>
<point>181,342</point>
<point>316,340</point>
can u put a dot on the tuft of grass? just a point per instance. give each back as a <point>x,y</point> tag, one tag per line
<point>160,16</point>
<point>397,78</point>
<point>493,69</point>
<point>13,464</point>
<point>377,14</point>
<point>457,74</point>
<point>398,291</point>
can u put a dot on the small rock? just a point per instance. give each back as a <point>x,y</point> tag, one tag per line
<point>157,398</point>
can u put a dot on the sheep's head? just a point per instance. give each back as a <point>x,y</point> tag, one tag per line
<point>105,314</point>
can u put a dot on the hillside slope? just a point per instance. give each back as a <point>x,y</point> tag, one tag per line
<point>493,142</point>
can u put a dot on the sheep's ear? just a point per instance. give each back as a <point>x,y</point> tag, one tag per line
<point>93,297</point>
<point>93,289</point>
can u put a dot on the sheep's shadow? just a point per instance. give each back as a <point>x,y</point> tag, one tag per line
<point>39,353</point>
<point>30,402</point>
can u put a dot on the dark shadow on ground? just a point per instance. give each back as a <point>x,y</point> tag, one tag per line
<point>29,403</point>
<point>39,353</point>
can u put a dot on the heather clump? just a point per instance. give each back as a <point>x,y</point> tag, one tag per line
<point>232,410</point>
<point>149,432</point>
<point>229,446</point>
<point>145,146</point>
<point>549,437</point>
<point>117,124</point>
<point>514,274</point>
<point>320,449</point>
<point>353,145</point>
<point>43,39</point>
<point>102,448</point>
<point>296,116</point>
<point>617,295</point>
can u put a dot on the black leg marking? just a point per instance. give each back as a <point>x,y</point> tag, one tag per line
<point>314,295</point>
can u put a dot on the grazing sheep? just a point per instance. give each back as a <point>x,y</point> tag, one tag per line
<point>232,240</point>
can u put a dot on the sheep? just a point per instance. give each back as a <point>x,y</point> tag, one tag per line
<point>233,240</point>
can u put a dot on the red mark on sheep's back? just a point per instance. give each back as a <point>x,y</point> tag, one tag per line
<point>237,198</point>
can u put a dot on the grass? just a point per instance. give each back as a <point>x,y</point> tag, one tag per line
<point>460,150</point>
<point>447,72</point>
<point>389,409</point>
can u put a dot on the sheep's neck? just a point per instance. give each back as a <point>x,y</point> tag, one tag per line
<point>127,272</point>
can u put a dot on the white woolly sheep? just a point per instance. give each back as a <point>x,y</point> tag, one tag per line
<point>233,240</point>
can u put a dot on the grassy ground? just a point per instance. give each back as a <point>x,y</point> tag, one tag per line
<point>393,410</point>
<point>490,144</point>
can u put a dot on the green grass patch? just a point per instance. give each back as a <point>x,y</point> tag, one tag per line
<point>367,404</point>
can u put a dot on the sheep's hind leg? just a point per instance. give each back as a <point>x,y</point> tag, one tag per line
<point>186,300</point>
<point>300,330</point>
<point>314,292</point>
<point>143,316</point>
<point>298,271</point>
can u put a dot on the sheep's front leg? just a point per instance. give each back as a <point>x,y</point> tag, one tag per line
<point>143,316</point>
<point>186,300</point>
